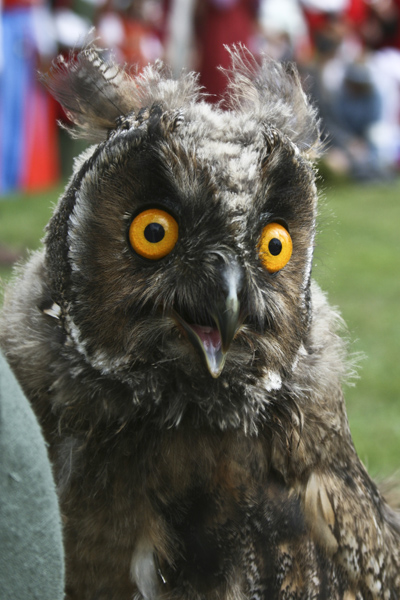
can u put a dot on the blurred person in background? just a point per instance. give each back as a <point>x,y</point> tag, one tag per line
<point>198,30</point>
<point>178,34</point>
<point>381,28</point>
<point>28,130</point>
<point>357,106</point>
<point>381,36</point>
<point>283,30</point>
<point>349,90</point>
<point>219,23</point>
<point>325,38</point>
<point>131,29</point>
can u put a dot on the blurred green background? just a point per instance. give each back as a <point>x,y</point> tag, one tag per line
<point>357,261</point>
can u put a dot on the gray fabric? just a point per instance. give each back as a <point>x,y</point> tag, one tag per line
<point>31,553</point>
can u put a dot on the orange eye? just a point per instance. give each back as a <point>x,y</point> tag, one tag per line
<point>153,233</point>
<point>275,247</point>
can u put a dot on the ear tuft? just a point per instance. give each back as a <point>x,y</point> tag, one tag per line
<point>94,91</point>
<point>272,91</point>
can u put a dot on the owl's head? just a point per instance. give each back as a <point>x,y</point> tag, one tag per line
<point>183,243</point>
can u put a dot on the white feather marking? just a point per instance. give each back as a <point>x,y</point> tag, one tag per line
<point>320,515</point>
<point>54,311</point>
<point>143,570</point>
<point>301,353</point>
<point>271,381</point>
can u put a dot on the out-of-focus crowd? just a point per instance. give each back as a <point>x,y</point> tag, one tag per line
<point>347,52</point>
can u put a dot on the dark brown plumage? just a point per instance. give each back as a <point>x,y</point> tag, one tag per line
<point>193,401</point>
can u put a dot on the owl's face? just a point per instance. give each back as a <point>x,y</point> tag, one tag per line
<point>186,247</point>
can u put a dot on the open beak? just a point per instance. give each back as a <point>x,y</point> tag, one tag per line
<point>213,342</point>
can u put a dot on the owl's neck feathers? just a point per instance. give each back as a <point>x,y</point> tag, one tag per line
<point>301,419</point>
<point>288,406</point>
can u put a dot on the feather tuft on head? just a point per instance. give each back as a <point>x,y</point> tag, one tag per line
<point>273,92</point>
<point>94,91</point>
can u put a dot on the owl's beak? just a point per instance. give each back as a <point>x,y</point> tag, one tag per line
<point>214,342</point>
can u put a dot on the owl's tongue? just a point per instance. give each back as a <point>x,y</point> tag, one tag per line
<point>210,338</point>
<point>210,342</point>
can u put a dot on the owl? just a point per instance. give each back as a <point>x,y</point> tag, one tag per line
<point>186,370</point>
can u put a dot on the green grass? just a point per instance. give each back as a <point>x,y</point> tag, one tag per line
<point>357,261</point>
<point>22,222</point>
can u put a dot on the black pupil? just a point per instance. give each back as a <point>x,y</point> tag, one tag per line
<point>154,232</point>
<point>275,246</point>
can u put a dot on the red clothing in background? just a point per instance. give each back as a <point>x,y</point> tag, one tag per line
<point>222,22</point>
